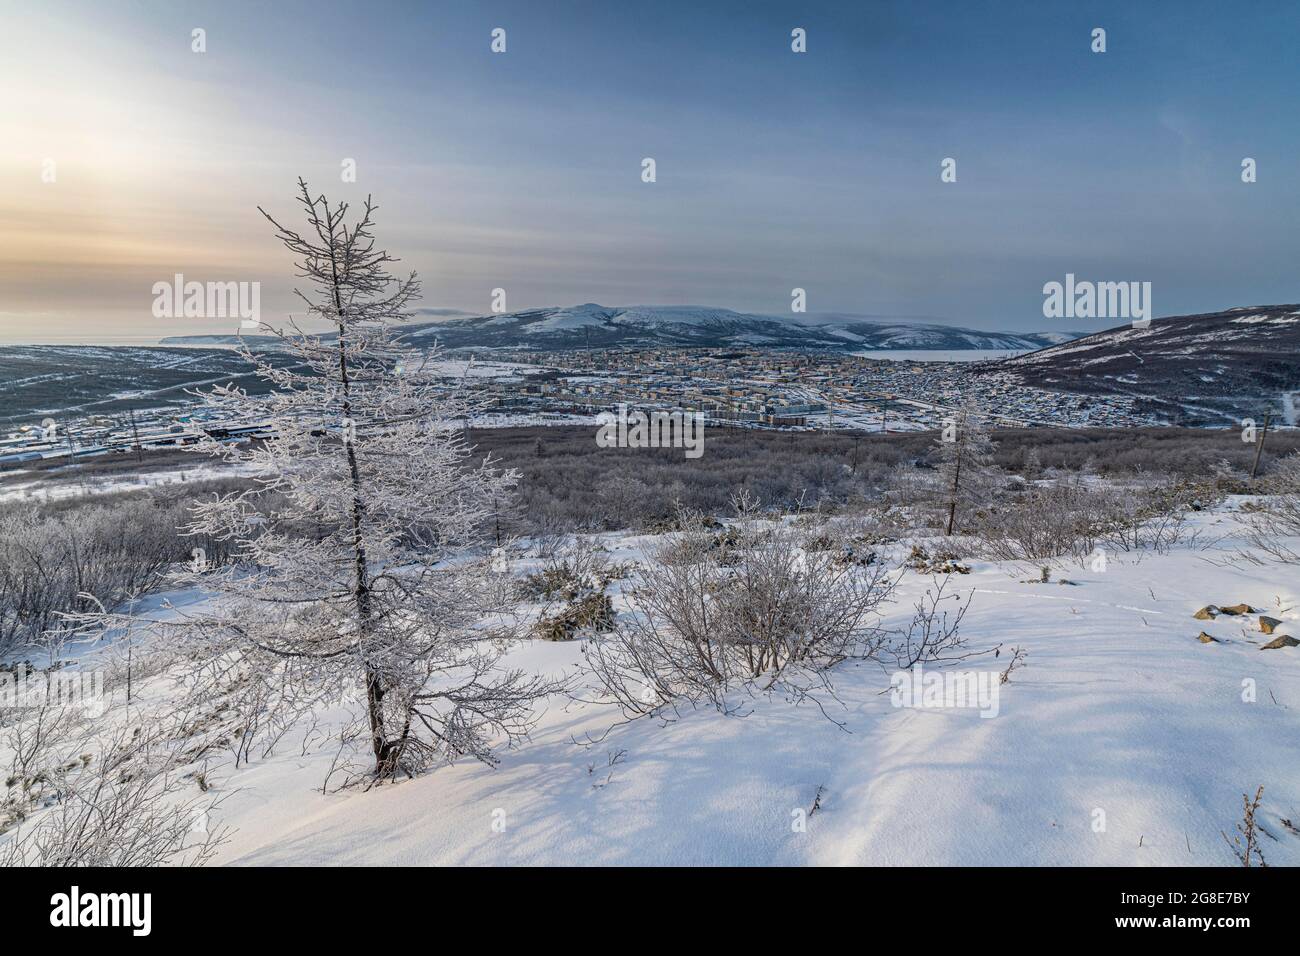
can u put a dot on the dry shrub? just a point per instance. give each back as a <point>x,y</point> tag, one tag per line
<point>768,611</point>
<point>1073,517</point>
<point>577,577</point>
<point>1272,522</point>
<point>589,613</point>
<point>49,560</point>
<point>943,561</point>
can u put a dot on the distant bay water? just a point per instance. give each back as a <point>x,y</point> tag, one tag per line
<point>941,355</point>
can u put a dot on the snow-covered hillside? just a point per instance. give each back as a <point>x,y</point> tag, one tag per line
<point>1122,740</point>
<point>1209,369</point>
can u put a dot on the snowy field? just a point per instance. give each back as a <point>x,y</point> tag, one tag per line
<point>477,368</point>
<point>69,487</point>
<point>1122,740</point>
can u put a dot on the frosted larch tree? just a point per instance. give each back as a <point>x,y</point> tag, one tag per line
<point>965,463</point>
<point>359,567</point>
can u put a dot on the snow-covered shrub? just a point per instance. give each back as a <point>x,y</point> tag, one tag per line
<point>51,559</point>
<point>577,578</point>
<point>589,612</point>
<point>761,612</point>
<point>1042,521</point>
<point>851,539</point>
<point>1152,515</point>
<point>1273,520</point>
<point>698,537</point>
<point>573,568</point>
<point>548,583</point>
<point>78,795</point>
<point>942,561</point>
<point>561,492</point>
<point>1071,517</point>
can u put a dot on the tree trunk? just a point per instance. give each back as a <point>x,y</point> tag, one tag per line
<point>956,485</point>
<point>361,575</point>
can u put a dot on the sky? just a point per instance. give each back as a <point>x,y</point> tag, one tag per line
<point>126,157</point>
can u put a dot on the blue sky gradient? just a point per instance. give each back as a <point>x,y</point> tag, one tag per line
<point>522,170</point>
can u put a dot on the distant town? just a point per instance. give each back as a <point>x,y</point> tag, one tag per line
<point>732,387</point>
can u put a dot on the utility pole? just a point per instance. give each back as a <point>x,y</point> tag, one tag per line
<point>72,454</point>
<point>135,433</point>
<point>1259,448</point>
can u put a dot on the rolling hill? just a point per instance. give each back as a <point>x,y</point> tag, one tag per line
<point>1213,368</point>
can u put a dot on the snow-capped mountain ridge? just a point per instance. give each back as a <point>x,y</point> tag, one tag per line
<point>595,325</point>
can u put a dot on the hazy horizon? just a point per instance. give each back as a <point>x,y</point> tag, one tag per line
<point>229,327</point>
<point>775,170</point>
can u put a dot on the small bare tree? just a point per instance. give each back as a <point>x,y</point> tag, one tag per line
<point>965,463</point>
<point>367,575</point>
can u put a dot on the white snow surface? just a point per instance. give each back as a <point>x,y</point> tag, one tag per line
<point>38,491</point>
<point>1118,710</point>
